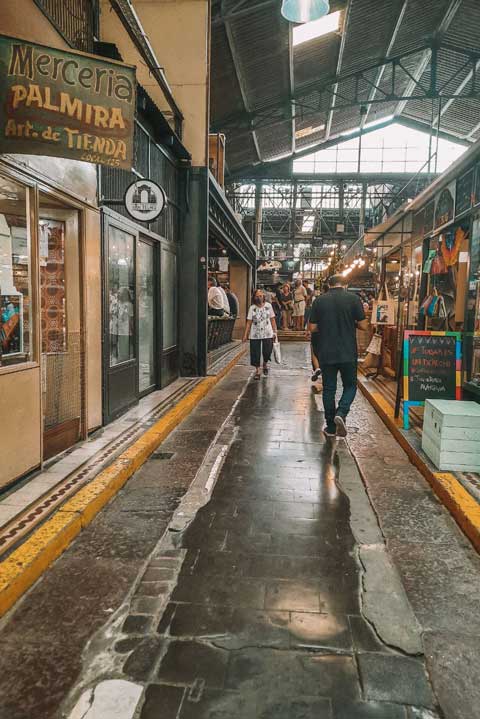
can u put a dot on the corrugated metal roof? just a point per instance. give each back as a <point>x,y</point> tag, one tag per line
<point>261,49</point>
<point>275,140</point>
<point>251,71</point>
<point>225,95</point>
<point>369,29</point>
<point>465,28</point>
<point>316,61</point>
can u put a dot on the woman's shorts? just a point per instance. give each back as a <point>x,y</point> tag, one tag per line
<point>299,309</point>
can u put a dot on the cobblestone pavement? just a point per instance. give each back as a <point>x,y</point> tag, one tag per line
<point>279,585</point>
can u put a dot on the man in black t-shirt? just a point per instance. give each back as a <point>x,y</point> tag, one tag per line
<point>335,317</point>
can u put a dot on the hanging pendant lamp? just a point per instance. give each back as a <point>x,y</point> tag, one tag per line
<point>305,10</point>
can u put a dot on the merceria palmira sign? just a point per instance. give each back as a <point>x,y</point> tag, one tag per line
<point>65,104</point>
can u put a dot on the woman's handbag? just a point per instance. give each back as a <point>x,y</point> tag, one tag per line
<point>277,352</point>
<point>371,361</point>
<point>374,351</point>
<point>429,304</point>
<point>442,310</point>
<point>375,346</point>
<point>438,266</point>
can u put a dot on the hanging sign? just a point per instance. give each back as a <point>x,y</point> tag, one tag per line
<point>65,104</point>
<point>431,368</point>
<point>145,200</point>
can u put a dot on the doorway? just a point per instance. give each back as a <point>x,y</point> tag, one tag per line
<point>139,314</point>
<point>120,320</point>
<point>61,325</point>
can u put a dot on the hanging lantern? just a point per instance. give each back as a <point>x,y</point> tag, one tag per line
<point>305,10</point>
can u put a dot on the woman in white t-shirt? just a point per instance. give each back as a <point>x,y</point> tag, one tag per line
<point>261,329</point>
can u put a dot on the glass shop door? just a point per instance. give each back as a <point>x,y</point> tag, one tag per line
<point>119,319</point>
<point>147,316</point>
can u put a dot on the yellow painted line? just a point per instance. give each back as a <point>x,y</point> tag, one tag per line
<point>385,407</point>
<point>27,563</point>
<point>462,506</point>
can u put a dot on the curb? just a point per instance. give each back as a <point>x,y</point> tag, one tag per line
<point>21,569</point>
<point>461,505</point>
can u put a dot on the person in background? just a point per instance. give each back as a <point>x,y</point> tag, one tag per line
<point>276,308</point>
<point>233,302</point>
<point>286,301</point>
<point>308,305</point>
<point>225,302</point>
<point>261,329</point>
<point>299,298</point>
<point>125,323</point>
<point>336,316</point>
<point>268,295</point>
<point>215,299</point>
<point>314,349</point>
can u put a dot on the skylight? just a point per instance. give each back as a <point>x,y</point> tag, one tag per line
<point>317,28</point>
<point>390,149</point>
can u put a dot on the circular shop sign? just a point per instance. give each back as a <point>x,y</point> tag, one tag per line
<point>145,200</point>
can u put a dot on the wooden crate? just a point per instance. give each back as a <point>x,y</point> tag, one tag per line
<point>451,435</point>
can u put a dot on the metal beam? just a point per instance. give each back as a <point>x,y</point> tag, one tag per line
<point>275,112</point>
<point>291,73</point>
<point>341,50</point>
<point>332,178</point>
<point>475,129</point>
<point>469,76</point>
<point>427,54</point>
<point>240,78</point>
<point>381,70</point>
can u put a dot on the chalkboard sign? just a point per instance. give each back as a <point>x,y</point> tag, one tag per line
<point>431,368</point>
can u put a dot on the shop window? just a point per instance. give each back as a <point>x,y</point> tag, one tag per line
<point>52,284</point>
<point>15,275</point>
<point>121,288</point>
<point>146,315</point>
<point>169,298</point>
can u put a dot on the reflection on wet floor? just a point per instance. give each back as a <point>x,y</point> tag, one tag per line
<point>265,620</point>
<point>263,607</point>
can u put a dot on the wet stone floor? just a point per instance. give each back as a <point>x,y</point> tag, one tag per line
<point>266,618</point>
<point>274,597</point>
